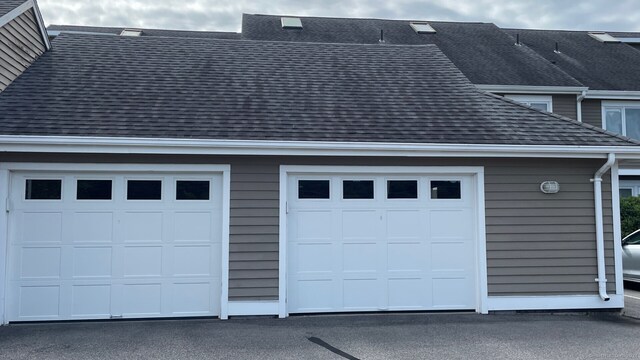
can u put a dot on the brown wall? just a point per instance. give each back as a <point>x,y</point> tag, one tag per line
<point>20,45</point>
<point>565,105</point>
<point>537,244</point>
<point>592,112</point>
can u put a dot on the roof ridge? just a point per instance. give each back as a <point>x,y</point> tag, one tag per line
<point>369,18</point>
<point>563,118</point>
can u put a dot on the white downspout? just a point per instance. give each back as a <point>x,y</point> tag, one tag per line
<point>597,190</point>
<point>579,105</point>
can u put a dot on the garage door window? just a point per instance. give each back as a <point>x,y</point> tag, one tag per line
<point>93,190</point>
<point>445,189</point>
<point>144,190</point>
<point>313,189</point>
<point>192,190</point>
<point>43,189</point>
<point>402,189</point>
<point>357,189</point>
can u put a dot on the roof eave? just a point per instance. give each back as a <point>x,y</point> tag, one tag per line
<point>113,145</point>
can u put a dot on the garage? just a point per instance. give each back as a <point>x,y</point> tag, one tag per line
<point>401,240</point>
<point>114,244</point>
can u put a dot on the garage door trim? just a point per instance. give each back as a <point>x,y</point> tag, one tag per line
<point>5,175</point>
<point>477,172</point>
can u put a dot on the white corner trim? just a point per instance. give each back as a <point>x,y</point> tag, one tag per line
<point>483,291</point>
<point>253,308</point>
<point>617,230</point>
<point>106,145</point>
<point>226,217</point>
<point>554,302</point>
<point>526,89</point>
<point>282,248</point>
<point>4,244</point>
<point>613,95</point>
<point>476,171</point>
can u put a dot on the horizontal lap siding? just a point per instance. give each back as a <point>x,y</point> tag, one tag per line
<point>537,244</point>
<point>20,45</point>
<point>541,244</point>
<point>565,105</point>
<point>592,112</point>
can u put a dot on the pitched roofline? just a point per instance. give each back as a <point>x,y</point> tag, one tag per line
<point>115,145</point>
<point>527,89</point>
<point>365,18</point>
<point>27,5</point>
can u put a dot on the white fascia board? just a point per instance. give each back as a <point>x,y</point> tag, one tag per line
<point>613,95</point>
<point>526,89</point>
<point>41,26</point>
<point>102,145</point>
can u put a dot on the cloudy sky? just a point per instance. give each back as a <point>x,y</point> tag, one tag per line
<point>225,15</point>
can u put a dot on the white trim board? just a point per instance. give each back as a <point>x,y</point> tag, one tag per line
<point>613,95</point>
<point>249,308</point>
<point>225,170</point>
<point>528,99</point>
<point>527,89</point>
<point>476,171</point>
<point>104,145</point>
<point>617,229</point>
<point>551,302</point>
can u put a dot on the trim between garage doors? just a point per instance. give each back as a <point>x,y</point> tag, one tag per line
<point>476,172</point>
<point>7,168</point>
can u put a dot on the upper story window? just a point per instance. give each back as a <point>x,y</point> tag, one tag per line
<point>622,118</point>
<point>540,102</point>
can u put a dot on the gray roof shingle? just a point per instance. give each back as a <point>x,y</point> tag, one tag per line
<point>600,66</point>
<point>146,32</point>
<point>7,5</point>
<point>482,51</point>
<point>157,87</point>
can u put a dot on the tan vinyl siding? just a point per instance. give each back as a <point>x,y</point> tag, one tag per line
<point>592,112</point>
<point>537,244</point>
<point>565,105</point>
<point>20,45</point>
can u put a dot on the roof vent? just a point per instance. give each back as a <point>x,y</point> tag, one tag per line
<point>291,23</point>
<point>422,28</point>
<point>603,37</point>
<point>131,32</point>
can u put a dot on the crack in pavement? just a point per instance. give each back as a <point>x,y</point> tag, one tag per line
<point>334,350</point>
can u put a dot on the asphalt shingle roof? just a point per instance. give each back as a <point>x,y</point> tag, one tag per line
<point>482,51</point>
<point>158,87</point>
<point>598,65</point>
<point>7,5</point>
<point>146,32</point>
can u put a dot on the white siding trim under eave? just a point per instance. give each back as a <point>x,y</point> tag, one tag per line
<point>476,171</point>
<point>113,145</point>
<point>225,170</point>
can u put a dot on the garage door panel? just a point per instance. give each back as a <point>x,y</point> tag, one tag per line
<point>142,226</point>
<point>41,227</point>
<point>97,259</point>
<point>381,253</point>
<point>101,229</point>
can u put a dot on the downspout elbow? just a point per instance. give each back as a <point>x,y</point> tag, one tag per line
<point>579,105</point>
<point>597,189</point>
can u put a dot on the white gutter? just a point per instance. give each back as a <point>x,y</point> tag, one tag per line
<point>597,190</point>
<point>528,89</point>
<point>96,145</point>
<point>579,105</point>
<point>613,95</point>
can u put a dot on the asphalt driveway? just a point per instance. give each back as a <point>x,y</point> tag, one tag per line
<point>392,336</point>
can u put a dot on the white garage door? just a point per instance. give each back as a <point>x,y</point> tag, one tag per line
<point>111,245</point>
<point>375,242</point>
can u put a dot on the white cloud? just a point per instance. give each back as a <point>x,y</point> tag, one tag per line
<point>225,15</point>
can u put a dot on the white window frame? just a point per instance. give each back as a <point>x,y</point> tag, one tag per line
<point>528,99</point>
<point>618,105</point>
